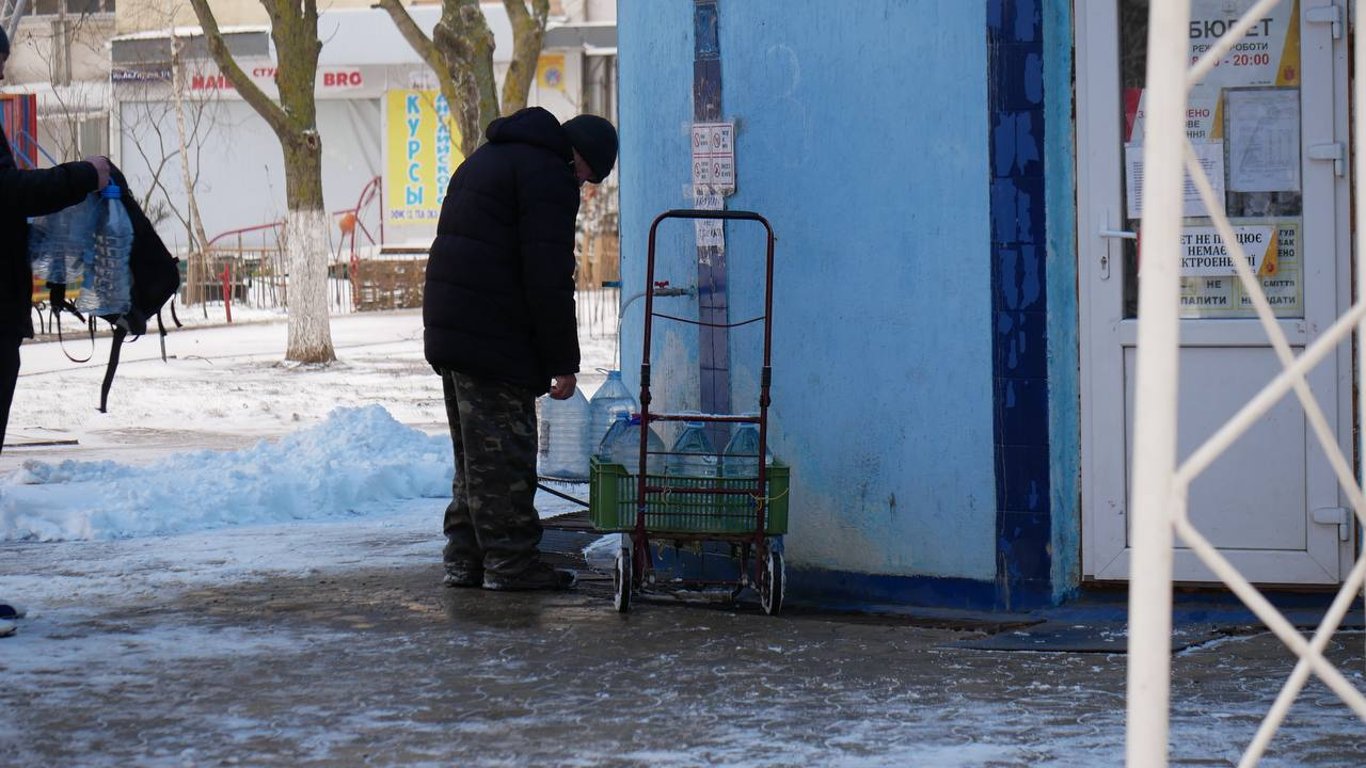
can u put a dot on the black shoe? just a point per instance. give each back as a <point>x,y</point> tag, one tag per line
<point>538,576</point>
<point>10,611</point>
<point>463,575</point>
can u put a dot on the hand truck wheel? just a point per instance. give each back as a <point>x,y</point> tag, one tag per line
<point>772,583</point>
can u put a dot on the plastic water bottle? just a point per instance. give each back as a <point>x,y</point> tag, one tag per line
<point>692,454</point>
<point>563,437</point>
<point>611,399</point>
<point>107,287</point>
<point>625,449</point>
<point>603,450</point>
<point>60,243</point>
<point>740,457</point>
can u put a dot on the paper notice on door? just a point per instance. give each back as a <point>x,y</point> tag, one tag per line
<point>1209,287</point>
<point>1263,139</point>
<point>1211,157</point>
<point>1204,252</point>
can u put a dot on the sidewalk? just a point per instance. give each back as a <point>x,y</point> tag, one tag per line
<point>356,655</point>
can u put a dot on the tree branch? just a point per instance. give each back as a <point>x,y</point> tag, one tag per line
<point>218,47</point>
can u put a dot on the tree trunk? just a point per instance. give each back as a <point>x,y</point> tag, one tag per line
<point>528,33</point>
<point>294,28</point>
<point>464,38</point>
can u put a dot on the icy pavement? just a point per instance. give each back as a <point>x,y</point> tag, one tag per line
<point>260,586</point>
<point>332,643</point>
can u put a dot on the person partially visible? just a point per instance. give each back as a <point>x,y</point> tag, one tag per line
<point>500,327</point>
<point>26,193</point>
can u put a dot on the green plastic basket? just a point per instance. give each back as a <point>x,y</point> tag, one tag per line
<point>612,502</point>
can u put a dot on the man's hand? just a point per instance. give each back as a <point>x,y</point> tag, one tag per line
<point>562,386</point>
<point>101,164</point>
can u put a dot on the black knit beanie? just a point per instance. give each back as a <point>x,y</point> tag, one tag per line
<point>596,141</point>
<point>4,42</point>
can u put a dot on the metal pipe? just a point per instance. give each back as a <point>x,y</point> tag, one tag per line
<point>1150,598</point>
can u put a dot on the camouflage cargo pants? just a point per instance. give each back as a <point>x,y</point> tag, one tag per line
<point>491,520</point>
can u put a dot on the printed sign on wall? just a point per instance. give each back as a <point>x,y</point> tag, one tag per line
<point>423,150</point>
<point>550,71</point>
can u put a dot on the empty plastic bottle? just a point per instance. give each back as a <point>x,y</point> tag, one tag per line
<point>106,289</point>
<point>563,437</point>
<point>625,449</point>
<point>692,454</point>
<point>60,243</point>
<point>612,398</point>
<point>740,458</point>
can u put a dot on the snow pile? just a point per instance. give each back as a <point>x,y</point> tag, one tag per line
<point>355,457</point>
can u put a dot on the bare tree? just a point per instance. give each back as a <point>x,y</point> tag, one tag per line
<point>460,53</point>
<point>294,29</point>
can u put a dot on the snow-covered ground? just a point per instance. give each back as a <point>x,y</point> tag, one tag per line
<point>226,435</point>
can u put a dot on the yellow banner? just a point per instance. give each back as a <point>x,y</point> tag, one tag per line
<point>423,151</point>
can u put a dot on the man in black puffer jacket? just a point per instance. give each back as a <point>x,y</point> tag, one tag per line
<point>500,328</point>
<point>25,193</point>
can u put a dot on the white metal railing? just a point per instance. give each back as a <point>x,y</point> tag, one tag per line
<point>1160,485</point>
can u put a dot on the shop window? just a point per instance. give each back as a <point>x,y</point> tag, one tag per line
<point>72,7</point>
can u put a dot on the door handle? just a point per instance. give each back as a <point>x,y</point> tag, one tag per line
<point>1114,234</point>
<point>1122,234</point>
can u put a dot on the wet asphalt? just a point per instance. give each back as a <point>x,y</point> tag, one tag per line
<point>386,667</point>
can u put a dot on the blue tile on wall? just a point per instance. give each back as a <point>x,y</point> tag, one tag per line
<point>1020,81</point>
<point>1022,478</point>
<point>1019,278</point>
<point>996,15</point>
<point>1030,210</point>
<point>1023,21</point>
<point>1020,348</point>
<point>1025,540</point>
<point>1021,411</point>
<point>1017,143</point>
<point>1017,210</point>
<point>1004,210</point>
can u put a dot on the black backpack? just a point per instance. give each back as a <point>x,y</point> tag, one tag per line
<point>155,281</point>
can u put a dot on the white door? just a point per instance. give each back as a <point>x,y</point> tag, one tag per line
<point>1270,126</point>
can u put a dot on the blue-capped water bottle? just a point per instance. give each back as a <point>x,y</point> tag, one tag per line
<point>626,448</point>
<point>107,287</point>
<point>60,243</point>
<point>605,447</point>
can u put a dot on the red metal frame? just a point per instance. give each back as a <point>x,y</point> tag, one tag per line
<point>758,539</point>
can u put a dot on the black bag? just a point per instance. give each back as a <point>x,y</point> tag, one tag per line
<point>155,280</point>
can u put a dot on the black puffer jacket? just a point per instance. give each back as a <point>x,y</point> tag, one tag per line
<point>23,194</point>
<point>499,297</point>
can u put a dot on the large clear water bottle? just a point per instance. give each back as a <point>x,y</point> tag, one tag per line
<point>692,454</point>
<point>60,243</point>
<point>740,457</point>
<point>611,399</point>
<point>107,287</point>
<point>603,450</point>
<point>625,449</point>
<point>563,437</point>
